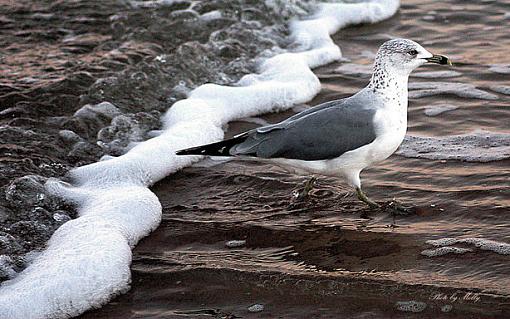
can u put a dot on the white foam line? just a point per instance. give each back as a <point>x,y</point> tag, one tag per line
<point>484,244</point>
<point>477,146</point>
<point>87,260</point>
<point>444,251</point>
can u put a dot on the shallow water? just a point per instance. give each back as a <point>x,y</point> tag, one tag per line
<point>323,259</point>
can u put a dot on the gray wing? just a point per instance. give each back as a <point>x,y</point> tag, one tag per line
<point>323,132</point>
<point>284,123</point>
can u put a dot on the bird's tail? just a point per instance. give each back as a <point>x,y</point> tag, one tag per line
<point>221,148</point>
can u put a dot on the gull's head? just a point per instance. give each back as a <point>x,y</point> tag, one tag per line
<point>403,56</point>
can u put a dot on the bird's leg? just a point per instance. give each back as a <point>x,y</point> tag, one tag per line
<point>362,197</point>
<point>306,188</point>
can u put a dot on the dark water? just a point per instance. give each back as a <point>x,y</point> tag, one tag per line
<point>322,259</point>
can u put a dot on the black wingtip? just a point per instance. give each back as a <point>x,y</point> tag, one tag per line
<point>221,148</point>
<point>188,151</point>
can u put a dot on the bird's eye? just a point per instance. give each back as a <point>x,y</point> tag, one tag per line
<point>412,52</point>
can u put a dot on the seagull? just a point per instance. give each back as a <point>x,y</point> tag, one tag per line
<point>339,138</point>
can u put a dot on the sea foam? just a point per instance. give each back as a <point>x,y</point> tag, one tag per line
<point>478,146</point>
<point>435,110</point>
<point>87,259</point>
<point>465,90</point>
<point>444,246</point>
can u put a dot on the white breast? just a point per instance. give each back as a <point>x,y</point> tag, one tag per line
<point>391,127</point>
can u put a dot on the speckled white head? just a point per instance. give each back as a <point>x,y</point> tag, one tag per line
<point>401,55</point>
<point>396,59</point>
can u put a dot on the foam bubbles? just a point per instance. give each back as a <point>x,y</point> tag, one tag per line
<point>446,308</point>
<point>423,89</point>
<point>211,15</point>
<point>411,306</point>
<point>436,74</point>
<point>445,244</point>
<point>444,251</point>
<point>256,308</point>
<point>503,89</point>
<point>103,109</point>
<point>500,68</point>
<point>436,110</point>
<point>154,3</point>
<point>69,136</point>
<point>125,129</point>
<point>478,146</point>
<point>485,244</point>
<point>235,243</point>
<point>442,242</point>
